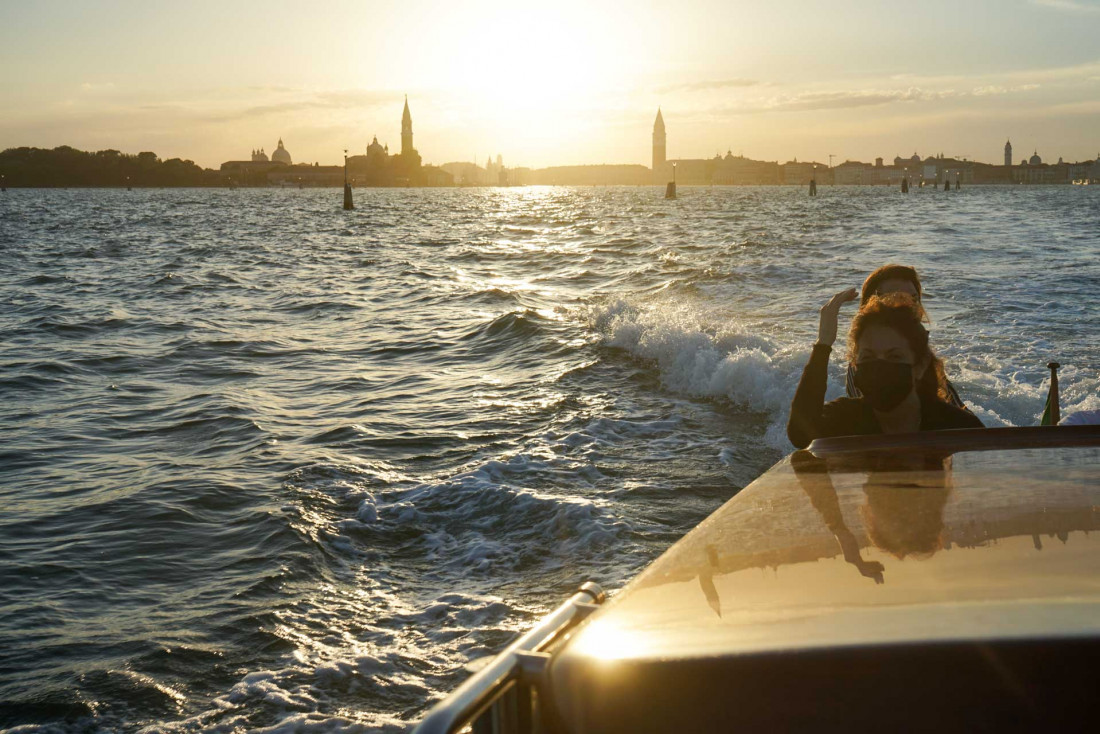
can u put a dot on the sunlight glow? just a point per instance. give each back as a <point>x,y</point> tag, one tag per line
<point>550,84</point>
<point>607,641</point>
<point>540,73</point>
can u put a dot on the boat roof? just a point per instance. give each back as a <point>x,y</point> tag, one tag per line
<point>872,542</point>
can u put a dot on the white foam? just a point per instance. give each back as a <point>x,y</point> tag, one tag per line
<point>367,511</point>
<point>701,352</point>
<point>322,724</point>
<point>262,685</point>
<point>1002,394</point>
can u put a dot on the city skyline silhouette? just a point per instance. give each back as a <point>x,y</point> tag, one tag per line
<point>561,85</point>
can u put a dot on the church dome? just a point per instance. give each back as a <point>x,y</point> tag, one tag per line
<point>375,148</point>
<point>280,154</point>
<point>1035,159</point>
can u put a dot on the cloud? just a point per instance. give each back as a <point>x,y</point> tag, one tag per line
<point>848,100</point>
<point>300,101</point>
<point>1072,6</point>
<point>271,88</point>
<point>996,89</point>
<point>708,85</point>
<point>1063,75</point>
<point>852,99</point>
<point>94,87</point>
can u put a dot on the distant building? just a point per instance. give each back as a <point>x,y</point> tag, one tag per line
<point>728,170</point>
<point>465,173</point>
<point>599,175</point>
<point>912,163</point>
<point>495,175</point>
<point>733,170</point>
<point>1034,171</point>
<point>854,173</point>
<point>985,173</point>
<point>930,170</point>
<point>658,143</point>
<point>248,173</point>
<point>698,171</point>
<point>281,155</point>
<point>379,168</point>
<point>800,173</point>
<point>306,175</point>
<point>1008,153</point>
<point>1083,171</point>
<point>376,168</point>
<point>254,172</point>
<point>376,153</point>
<point>407,130</point>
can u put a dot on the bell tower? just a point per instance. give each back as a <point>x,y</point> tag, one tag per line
<point>1008,153</point>
<point>406,130</point>
<point>658,142</point>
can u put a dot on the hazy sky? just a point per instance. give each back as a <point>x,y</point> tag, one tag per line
<point>547,83</point>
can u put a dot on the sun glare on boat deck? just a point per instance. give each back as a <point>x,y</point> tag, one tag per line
<point>605,640</point>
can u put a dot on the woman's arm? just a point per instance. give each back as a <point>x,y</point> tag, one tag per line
<point>807,409</point>
<point>805,422</point>
<point>813,475</point>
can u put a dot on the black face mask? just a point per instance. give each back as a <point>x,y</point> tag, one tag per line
<point>884,384</point>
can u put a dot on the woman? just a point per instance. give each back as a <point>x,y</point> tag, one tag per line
<point>902,383</point>
<point>884,281</point>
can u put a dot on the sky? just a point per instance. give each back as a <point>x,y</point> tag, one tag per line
<point>554,83</point>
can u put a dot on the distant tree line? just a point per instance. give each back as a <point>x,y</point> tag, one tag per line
<point>65,166</point>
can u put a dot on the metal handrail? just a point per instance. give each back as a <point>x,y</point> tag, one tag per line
<point>478,691</point>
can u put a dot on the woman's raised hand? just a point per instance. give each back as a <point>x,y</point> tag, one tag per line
<point>830,313</point>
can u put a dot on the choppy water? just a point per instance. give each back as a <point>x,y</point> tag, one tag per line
<point>267,464</point>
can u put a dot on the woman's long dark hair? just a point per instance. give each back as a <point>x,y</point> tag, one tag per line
<point>902,313</point>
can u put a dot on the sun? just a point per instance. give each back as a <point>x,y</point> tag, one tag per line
<point>537,70</point>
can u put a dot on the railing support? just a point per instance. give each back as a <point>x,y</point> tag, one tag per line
<point>497,698</point>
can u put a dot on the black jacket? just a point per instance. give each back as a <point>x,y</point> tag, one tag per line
<point>811,417</point>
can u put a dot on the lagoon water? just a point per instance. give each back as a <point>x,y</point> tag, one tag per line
<point>269,465</point>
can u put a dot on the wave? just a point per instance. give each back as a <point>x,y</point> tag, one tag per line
<point>513,324</point>
<point>700,354</point>
<point>346,455</point>
<point>526,330</point>
<point>487,518</point>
